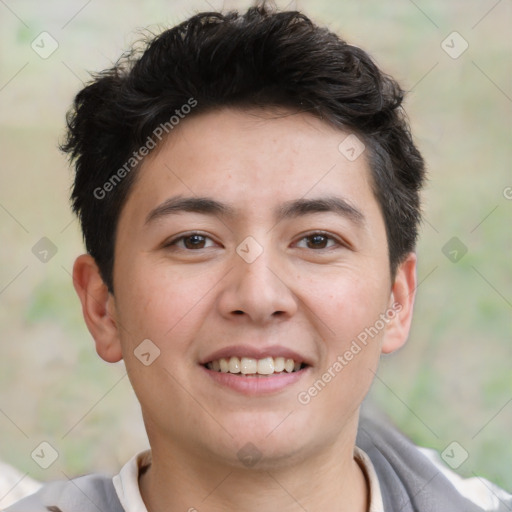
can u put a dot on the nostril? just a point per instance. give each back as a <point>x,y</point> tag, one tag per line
<point>238,312</point>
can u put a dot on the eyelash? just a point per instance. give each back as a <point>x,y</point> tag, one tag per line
<point>175,241</point>
<point>329,237</point>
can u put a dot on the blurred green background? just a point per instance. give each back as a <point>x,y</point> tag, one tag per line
<point>452,382</point>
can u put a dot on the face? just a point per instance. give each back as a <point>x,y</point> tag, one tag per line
<point>250,243</point>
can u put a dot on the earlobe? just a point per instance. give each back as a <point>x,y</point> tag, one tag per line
<point>402,302</point>
<point>98,308</point>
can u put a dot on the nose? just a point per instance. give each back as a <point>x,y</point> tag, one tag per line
<point>257,292</point>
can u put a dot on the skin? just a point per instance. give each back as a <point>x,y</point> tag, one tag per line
<point>312,295</point>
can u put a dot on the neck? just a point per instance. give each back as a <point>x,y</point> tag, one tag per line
<point>329,480</point>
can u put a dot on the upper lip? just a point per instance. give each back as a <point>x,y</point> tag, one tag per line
<point>255,353</point>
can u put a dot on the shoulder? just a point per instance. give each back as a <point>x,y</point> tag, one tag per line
<point>86,493</point>
<point>415,479</point>
<point>14,485</point>
<point>478,490</point>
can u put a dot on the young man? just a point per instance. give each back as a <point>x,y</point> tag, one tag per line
<point>248,191</point>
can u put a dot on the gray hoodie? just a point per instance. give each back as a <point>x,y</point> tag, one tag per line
<point>409,481</point>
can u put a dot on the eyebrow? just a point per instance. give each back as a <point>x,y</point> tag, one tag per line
<point>290,209</point>
<point>338,205</point>
<point>179,204</point>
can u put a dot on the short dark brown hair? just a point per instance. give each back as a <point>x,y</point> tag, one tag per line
<point>263,58</point>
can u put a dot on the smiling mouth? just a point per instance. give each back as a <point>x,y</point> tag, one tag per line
<point>250,367</point>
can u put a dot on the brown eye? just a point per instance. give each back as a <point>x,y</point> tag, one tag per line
<point>193,241</point>
<point>316,241</point>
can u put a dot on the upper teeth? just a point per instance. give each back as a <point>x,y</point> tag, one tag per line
<point>248,365</point>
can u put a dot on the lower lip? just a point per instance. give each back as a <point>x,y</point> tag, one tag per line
<point>259,385</point>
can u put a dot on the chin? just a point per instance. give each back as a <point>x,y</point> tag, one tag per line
<point>261,442</point>
<point>264,455</point>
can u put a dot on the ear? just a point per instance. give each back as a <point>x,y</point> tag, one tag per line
<point>401,301</point>
<point>98,308</point>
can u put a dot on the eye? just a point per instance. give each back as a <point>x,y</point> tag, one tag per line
<point>192,241</point>
<point>317,241</point>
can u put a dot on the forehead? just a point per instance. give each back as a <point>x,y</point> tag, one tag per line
<point>253,159</point>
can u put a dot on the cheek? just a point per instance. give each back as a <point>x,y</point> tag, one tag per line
<point>346,303</point>
<point>168,310</point>
<point>351,342</point>
<point>348,308</point>
<point>163,305</point>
